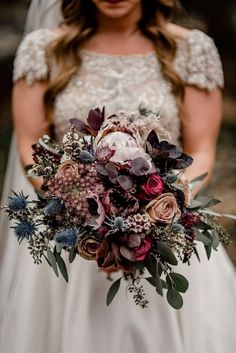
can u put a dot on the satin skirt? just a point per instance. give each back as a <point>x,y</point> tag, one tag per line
<point>40,313</point>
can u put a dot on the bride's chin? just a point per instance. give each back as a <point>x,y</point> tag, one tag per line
<point>114,9</point>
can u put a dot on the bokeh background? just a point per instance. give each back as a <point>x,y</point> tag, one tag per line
<point>217,18</point>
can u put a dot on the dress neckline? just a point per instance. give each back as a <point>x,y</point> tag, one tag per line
<point>150,54</point>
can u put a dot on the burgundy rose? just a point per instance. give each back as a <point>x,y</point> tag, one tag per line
<point>190,219</point>
<point>143,250</point>
<point>154,186</point>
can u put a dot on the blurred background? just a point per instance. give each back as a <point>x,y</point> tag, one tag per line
<point>218,19</point>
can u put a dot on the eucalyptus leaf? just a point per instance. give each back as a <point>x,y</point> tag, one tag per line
<point>215,240</point>
<point>52,260</point>
<point>196,253</point>
<point>164,284</point>
<point>208,251</point>
<point>195,204</point>
<point>159,288</point>
<point>151,263</point>
<point>166,253</point>
<point>151,280</point>
<point>62,267</point>
<point>72,255</point>
<point>174,298</point>
<point>199,236</point>
<point>202,225</point>
<point>180,282</point>
<point>113,291</point>
<point>196,181</point>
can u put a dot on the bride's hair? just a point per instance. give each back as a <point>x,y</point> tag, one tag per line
<point>80,17</point>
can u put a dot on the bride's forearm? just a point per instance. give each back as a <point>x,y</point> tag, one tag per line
<point>203,162</point>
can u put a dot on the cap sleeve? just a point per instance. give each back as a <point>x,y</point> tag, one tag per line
<point>198,62</point>
<point>31,59</point>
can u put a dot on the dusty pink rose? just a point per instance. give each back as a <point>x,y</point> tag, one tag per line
<point>153,186</point>
<point>67,169</point>
<point>143,250</point>
<point>164,209</point>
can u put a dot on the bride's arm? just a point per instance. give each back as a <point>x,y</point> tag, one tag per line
<point>201,124</point>
<point>29,119</point>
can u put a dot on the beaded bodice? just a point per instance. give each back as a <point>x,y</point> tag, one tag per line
<point>121,82</point>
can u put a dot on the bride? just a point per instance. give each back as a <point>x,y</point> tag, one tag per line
<point>117,53</point>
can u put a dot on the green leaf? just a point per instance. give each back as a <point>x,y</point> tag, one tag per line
<point>215,240</point>
<point>164,284</point>
<point>62,266</point>
<point>196,253</point>
<point>180,282</point>
<point>203,225</point>
<point>197,180</point>
<point>151,280</point>
<point>166,253</point>
<point>199,236</point>
<point>52,261</point>
<point>113,291</point>
<point>139,266</point>
<point>195,204</point>
<point>151,264</point>
<point>174,298</point>
<point>208,251</point>
<point>159,288</point>
<point>72,255</point>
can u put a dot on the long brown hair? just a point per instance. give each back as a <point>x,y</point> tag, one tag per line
<point>80,17</point>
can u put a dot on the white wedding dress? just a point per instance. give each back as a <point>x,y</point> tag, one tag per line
<point>40,313</point>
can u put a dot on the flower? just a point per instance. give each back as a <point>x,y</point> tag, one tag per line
<point>143,250</point>
<point>88,246</point>
<point>96,212</point>
<point>67,168</point>
<point>66,237</point>
<point>190,219</point>
<point>153,186</point>
<point>17,203</point>
<point>53,208</point>
<point>25,229</point>
<point>125,140</point>
<point>164,209</point>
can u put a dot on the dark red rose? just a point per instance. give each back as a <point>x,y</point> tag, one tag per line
<point>190,219</point>
<point>143,250</point>
<point>154,186</point>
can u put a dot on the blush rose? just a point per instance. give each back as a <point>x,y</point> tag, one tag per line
<point>164,209</point>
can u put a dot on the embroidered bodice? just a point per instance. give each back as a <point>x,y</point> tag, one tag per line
<point>121,82</point>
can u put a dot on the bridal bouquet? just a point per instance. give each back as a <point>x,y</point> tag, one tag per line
<point>114,192</point>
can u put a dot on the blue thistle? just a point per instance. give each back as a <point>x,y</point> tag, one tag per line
<point>66,237</point>
<point>18,202</point>
<point>53,208</point>
<point>24,229</point>
<point>86,157</point>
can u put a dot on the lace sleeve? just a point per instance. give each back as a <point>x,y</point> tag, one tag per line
<point>31,61</point>
<point>198,62</point>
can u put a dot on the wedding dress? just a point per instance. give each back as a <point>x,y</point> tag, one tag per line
<point>40,313</point>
